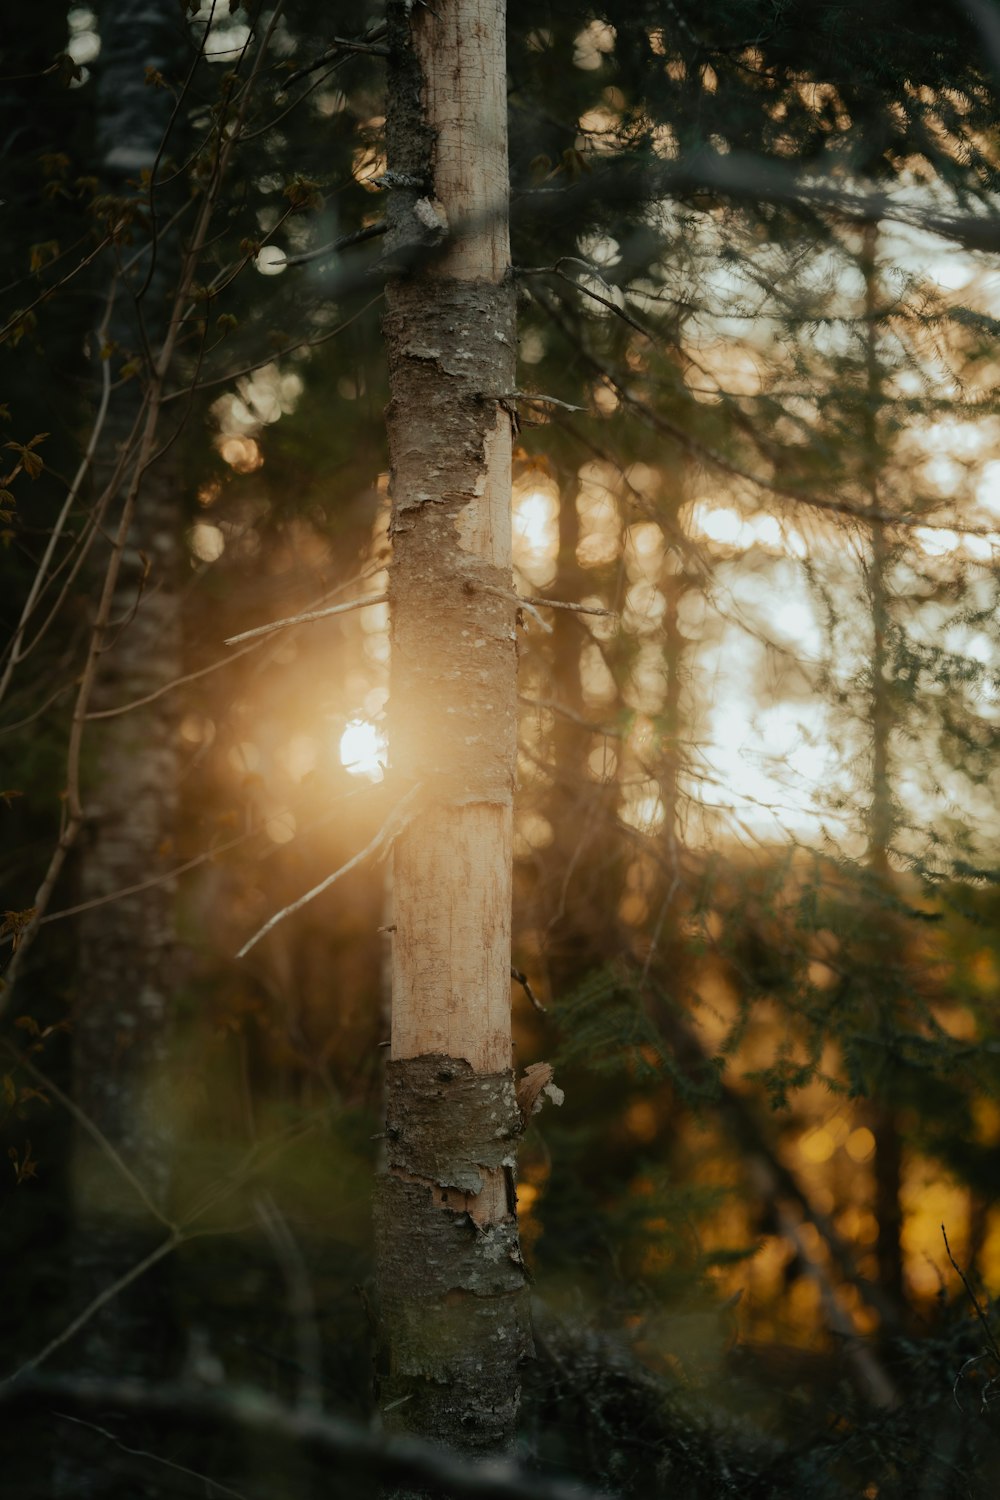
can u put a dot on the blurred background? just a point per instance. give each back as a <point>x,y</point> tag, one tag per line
<point>756,820</point>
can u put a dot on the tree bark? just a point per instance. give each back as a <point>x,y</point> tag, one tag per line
<point>451,1282</point>
<point>126,955</point>
<point>882,818</point>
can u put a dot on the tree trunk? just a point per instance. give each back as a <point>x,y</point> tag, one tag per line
<point>882,820</point>
<point>451,1282</point>
<point>127,970</point>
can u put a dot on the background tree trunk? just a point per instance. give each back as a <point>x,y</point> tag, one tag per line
<point>450,1272</point>
<point>882,819</point>
<point>126,960</point>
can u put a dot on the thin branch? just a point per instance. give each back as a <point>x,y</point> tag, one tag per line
<point>51,290</point>
<point>254,1161</point>
<point>369,232</point>
<point>523,981</point>
<point>701,451</point>
<point>579,609</point>
<point>146,448</point>
<point>38,582</point>
<point>323,338</point>
<point>389,829</point>
<point>215,1485</point>
<point>339,44</point>
<point>980,1314</point>
<point>168,687</point>
<point>93,529</point>
<point>574,718</point>
<point>535,398</point>
<point>398,1461</point>
<point>87,1124</point>
<point>311,614</point>
<point>222,661</point>
<point>60,692</point>
<point>191,864</point>
<point>101,1300</point>
<point>301,1301</point>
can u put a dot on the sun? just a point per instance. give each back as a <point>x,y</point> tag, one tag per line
<point>362,750</point>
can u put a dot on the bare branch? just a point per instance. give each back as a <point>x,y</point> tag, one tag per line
<point>304,619</point>
<point>43,567</point>
<point>87,1124</point>
<point>392,825</point>
<point>522,980</point>
<point>369,232</point>
<point>268,359</point>
<point>977,1305</point>
<point>222,661</point>
<point>578,609</point>
<point>214,1485</point>
<point>301,1301</point>
<point>109,1293</point>
<point>398,1461</point>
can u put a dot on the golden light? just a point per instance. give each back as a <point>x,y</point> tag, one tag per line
<point>281,827</point>
<point>720,524</point>
<point>939,542</point>
<point>241,453</point>
<point>600,522</point>
<point>818,1145</point>
<point>206,542</point>
<point>536,533</point>
<point>362,750</point>
<point>860,1144</point>
<point>271,260</point>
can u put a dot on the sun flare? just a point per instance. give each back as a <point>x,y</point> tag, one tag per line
<point>362,750</point>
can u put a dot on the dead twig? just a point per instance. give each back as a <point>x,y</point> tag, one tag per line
<point>392,825</point>
<point>304,619</point>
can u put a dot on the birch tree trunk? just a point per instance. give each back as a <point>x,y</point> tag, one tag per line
<point>451,1281</point>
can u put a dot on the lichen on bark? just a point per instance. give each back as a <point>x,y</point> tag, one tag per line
<point>452,1292</point>
<point>451,590</point>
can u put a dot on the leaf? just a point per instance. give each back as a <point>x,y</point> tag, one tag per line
<point>155,79</point>
<point>9,1091</point>
<point>43,253</point>
<point>14,923</point>
<point>27,1093</point>
<point>28,1024</point>
<point>26,323</point>
<point>30,462</point>
<point>574,164</point>
<point>24,1167</point>
<point>54,163</point>
<point>303,192</point>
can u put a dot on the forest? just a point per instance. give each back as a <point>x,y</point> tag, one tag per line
<point>499,710</point>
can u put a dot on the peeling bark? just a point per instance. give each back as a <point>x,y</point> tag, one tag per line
<point>453,1292</point>
<point>451,1281</point>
